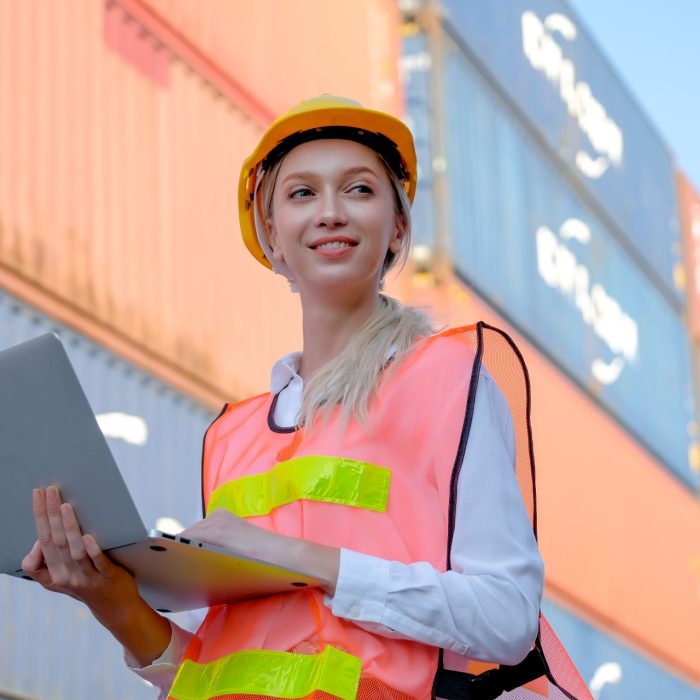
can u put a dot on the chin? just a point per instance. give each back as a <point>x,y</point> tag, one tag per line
<point>341,284</point>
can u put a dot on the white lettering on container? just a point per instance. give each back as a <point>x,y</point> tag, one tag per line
<point>546,56</point>
<point>560,269</point>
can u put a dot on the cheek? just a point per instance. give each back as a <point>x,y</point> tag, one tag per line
<point>386,222</point>
<point>287,221</point>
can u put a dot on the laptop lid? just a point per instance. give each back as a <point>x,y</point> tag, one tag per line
<point>43,440</point>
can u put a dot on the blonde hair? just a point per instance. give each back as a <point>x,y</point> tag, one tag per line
<point>351,379</point>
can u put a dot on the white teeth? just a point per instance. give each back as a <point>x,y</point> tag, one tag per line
<point>334,244</point>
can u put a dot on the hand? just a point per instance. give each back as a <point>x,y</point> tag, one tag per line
<point>66,561</point>
<point>224,529</point>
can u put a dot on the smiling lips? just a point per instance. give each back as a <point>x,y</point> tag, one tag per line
<point>333,243</point>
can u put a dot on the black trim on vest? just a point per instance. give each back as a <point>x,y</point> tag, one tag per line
<point>201,479</point>
<point>463,439</point>
<point>528,411</point>
<point>271,417</point>
<point>456,467</point>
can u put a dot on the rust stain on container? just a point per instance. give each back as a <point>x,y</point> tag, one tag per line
<point>122,136</point>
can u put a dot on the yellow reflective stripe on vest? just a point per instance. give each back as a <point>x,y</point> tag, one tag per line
<point>276,674</point>
<point>330,479</point>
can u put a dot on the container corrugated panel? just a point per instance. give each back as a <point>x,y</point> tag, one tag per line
<point>50,646</point>
<point>547,63</point>
<point>617,531</point>
<point>286,51</point>
<point>535,249</point>
<point>121,157</point>
<point>689,202</point>
<point>613,670</point>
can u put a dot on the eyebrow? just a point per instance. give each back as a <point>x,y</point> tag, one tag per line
<point>309,174</point>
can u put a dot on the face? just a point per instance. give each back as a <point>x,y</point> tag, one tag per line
<point>333,216</point>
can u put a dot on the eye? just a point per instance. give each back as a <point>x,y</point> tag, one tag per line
<point>299,193</point>
<point>361,188</point>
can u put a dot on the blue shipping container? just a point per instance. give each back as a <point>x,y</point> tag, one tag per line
<point>612,670</point>
<point>531,246</point>
<point>50,646</point>
<point>545,61</point>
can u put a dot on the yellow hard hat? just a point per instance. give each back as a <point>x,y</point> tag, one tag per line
<point>326,116</point>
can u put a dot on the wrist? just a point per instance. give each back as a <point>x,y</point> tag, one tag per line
<point>317,560</point>
<point>143,632</point>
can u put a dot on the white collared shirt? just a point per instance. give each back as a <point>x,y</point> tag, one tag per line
<point>486,607</point>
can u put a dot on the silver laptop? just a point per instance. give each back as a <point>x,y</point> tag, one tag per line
<point>49,435</point>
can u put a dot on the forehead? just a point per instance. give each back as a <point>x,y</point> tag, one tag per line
<point>323,155</point>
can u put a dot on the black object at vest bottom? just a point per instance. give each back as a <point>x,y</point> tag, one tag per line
<point>456,685</point>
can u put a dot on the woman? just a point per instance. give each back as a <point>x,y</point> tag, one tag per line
<point>393,447</point>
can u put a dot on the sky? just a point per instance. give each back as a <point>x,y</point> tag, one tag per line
<point>654,46</point>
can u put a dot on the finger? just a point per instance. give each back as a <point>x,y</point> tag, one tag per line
<point>53,509</point>
<point>101,561</point>
<point>43,529</point>
<point>75,539</point>
<point>33,566</point>
<point>34,559</point>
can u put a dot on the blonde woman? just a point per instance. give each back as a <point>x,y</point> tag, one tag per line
<point>381,461</point>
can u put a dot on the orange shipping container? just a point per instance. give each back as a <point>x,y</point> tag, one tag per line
<point>122,138</point>
<point>689,201</point>
<point>284,51</point>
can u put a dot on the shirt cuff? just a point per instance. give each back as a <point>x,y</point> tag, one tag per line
<point>362,587</point>
<point>162,671</point>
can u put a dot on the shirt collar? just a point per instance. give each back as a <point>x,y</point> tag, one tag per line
<point>285,370</point>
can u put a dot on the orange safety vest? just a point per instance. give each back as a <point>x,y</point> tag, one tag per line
<point>389,491</point>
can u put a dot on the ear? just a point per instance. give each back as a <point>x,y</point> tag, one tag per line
<point>400,229</point>
<point>273,240</point>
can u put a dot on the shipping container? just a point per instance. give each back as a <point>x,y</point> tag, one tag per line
<point>557,78</point>
<point>155,435</point>
<point>689,204</point>
<point>618,533</point>
<point>282,52</point>
<point>122,137</point>
<point>536,250</point>
<point>612,670</point>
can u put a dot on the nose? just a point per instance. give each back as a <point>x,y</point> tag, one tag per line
<point>331,212</point>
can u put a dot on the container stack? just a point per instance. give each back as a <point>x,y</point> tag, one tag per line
<point>547,205</point>
<point>550,205</point>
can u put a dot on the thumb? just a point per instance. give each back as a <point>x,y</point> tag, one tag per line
<point>101,561</point>
<point>34,558</point>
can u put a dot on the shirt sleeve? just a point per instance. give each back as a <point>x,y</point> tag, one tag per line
<point>162,671</point>
<point>487,606</point>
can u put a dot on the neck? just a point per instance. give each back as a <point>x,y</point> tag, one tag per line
<point>328,328</point>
